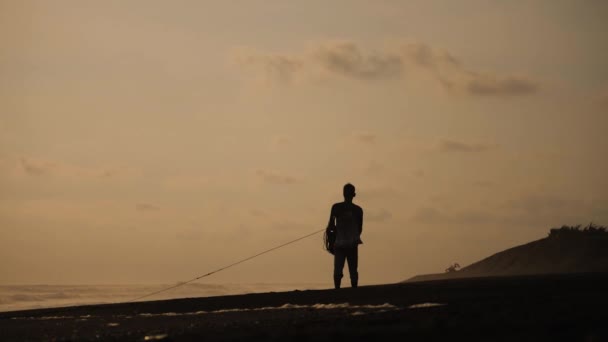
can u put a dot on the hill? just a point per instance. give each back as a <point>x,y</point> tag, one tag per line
<point>566,250</point>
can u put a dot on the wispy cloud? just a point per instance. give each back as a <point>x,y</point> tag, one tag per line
<point>455,77</point>
<point>484,183</point>
<point>487,85</point>
<point>36,167</point>
<point>275,67</point>
<point>348,60</point>
<point>459,146</point>
<point>428,215</point>
<point>432,215</point>
<point>542,203</point>
<point>373,193</point>
<point>374,168</point>
<point>419,173</point>
<point>380,215</point>
<point>425,56</point>
<point>40,167</point>
<point>275,220</point>
<point>522,209</point>
<point>146,207</point>
<point>187,182</point>
<point>280,141</point>
<point>273,177</point>
<point>365,137</point>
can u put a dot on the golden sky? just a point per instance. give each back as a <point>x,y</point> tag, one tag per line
<point>153,141</point>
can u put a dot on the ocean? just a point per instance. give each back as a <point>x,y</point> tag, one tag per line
<point>21,297</point>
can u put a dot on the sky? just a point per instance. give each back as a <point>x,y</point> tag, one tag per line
<point>154,141</point>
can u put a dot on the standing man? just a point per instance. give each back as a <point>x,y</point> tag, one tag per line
<point>346,224</point>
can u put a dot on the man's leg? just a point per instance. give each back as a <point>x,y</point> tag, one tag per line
<point>339,256</point>
<point>352,257</point>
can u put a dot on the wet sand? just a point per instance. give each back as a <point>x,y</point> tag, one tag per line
<point>525,308</point>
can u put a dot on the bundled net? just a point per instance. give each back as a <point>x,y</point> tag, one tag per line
<point>329,237</point>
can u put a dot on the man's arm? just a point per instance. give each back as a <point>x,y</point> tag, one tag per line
<point>360,221</point>
<point>332,222</point>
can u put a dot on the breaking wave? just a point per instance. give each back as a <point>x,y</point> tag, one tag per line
<point>15,297</point>
<point>346,306</point>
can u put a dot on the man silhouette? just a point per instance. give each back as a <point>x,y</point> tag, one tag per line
<point>346,224</point>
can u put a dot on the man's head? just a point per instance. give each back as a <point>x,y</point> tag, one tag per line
<point>349,192</point>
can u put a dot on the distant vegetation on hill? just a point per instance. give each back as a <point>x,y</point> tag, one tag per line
<point>568,249</point>
<point>590,229</point>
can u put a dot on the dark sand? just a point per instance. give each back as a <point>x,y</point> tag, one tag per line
<point>524,308</point>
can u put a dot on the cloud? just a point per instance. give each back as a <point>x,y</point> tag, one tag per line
<point>40,167</point>
<point>275,67</point>
<point>458,146</point>
<point>539,204</point>
<point>453,76</point>
<point>258,213</point>
<point>348,60</point>
<point>344,59</point>
<point>428,215</point>
<point>272,177</point>
<point>425,56</point>
<point>549,209</point>
<point>146,207</point>
<point>285,225</point>
<point>484,183</point>
<point>541,210</point>
<point>187,182</point>
<point>366,138</point>
<point>381,215</point>
<point>469,216</point>
<point>36,168</point>
<point>275,220</point>
<point>280,142</point>
<point>107,174</point>
<point>378,192</point>
<point>488,85</point>
<point>191,234</point>
<point>374,168</point>
<point>418,173</point>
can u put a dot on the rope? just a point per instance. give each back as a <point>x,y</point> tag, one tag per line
<point>225,267</point>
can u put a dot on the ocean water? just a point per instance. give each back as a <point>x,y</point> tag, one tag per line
<point>21,297</point>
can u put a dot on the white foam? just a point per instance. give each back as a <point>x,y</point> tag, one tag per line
<point>331,306</point>
<point>424,305</point>
<point>44,318</point>
<point>155,337</point>
<point>357,310</point>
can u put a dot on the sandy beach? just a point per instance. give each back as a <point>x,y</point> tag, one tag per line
<point>528,308</point>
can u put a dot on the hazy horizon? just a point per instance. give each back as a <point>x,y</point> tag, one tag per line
<point>25,297</point>
<point>153,141</point>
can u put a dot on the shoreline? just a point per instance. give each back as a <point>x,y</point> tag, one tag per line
<point>45,296</point>
<point>540,306</point>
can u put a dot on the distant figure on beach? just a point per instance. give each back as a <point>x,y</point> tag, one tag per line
<point>452,268</point>
<point>345,228</point>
